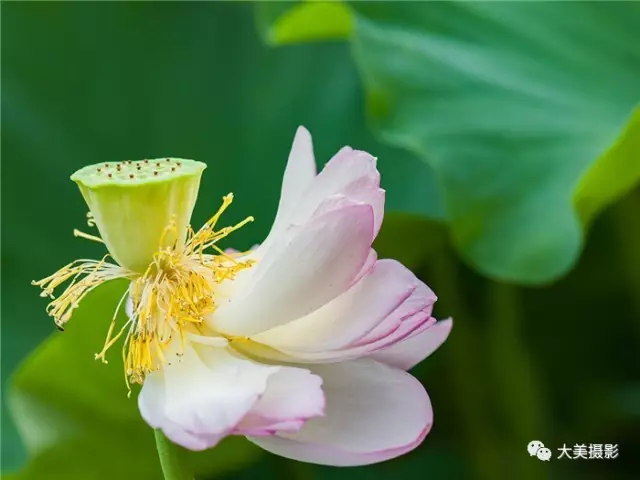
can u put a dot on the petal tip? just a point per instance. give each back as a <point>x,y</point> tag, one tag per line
<point>302,131</point>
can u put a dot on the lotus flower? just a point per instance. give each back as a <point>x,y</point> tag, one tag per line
<point>301,344</point>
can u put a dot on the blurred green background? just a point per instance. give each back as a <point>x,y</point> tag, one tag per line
<point>510,152</point>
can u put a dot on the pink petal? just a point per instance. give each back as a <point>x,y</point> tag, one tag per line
<point>293,396</point>
<point>407,327</point>
<point>385,307</point>
<point>372,260</point>
<point>206,393</point>
<point>298,175</point>
<point>404,330</point>
<point>420,303</point>
<point>374,413</point>
<point>351,174</point>
<point>318,263</point>
<point>415,348</point>
<point>349,317</point>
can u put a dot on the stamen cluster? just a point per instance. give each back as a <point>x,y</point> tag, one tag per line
<point>169,300</point>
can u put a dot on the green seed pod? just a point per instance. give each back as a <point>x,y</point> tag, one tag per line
<point>141,206</point>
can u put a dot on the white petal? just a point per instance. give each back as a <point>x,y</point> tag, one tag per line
<point>298,175</point>
<point>374,413</point>
<point>320,262</point>
<point>152,399</point>
<point>350,316</point>
<point>386,307</point>
<point>199,398</point>
<point>128,306</point>
<point>362,348</point>
<point>411,351</point>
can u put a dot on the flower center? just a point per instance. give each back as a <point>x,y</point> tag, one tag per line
<point>168,302</point>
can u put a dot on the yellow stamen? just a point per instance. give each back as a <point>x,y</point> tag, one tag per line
<point>170,299</point>
<point>93,274</point>
<point>78,233</point>
<point>109,341</point>
<point>233,338</point>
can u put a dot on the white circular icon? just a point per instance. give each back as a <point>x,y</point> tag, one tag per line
<point>543,454</point>
<point>534,446</point>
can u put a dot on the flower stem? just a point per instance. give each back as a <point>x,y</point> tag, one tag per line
<point>172,467</point>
